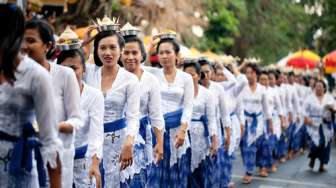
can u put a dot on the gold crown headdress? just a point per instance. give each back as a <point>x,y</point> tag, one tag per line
<point>107,24</point>
<point>252,60</point>
<point>168,34</point>
<point>68,40</point>
<point>129,30</point>
<point>190,60</point>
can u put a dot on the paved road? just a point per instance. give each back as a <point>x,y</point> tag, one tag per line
<point>292,174</point>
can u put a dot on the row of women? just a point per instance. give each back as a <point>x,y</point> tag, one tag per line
<point>117,123</point>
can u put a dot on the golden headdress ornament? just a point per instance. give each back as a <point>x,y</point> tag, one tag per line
<point>68,40</point>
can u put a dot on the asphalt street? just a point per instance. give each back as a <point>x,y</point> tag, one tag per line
<point>291,174</point>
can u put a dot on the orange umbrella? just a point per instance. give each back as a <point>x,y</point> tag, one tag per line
<point>303,59</point>
<point>330,62</point>
<point>307,54</point>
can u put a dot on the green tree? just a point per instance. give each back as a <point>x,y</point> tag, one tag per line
<point>327,22</point>
<point>223,16</point>
<point>272,29</point>
<point>268,29</point>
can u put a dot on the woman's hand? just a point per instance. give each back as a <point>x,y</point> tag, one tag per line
<point>180,137</point>
<point>87,35</point>
<point>270,124</point>
<point>158,151</point>
<point>308,121</point>
<point>126,156</point>
<point>214,146</point>
<point>65,128</point>
<point>94,171</point>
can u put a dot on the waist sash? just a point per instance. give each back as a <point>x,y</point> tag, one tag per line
<point>22,155</point>
<point>254,124</point>
<point>80,152</point>
<point>173,119</point>
<point>144,122</point>
<point>205,122</point>
<point>115,125</point>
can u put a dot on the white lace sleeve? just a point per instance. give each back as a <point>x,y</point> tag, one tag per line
<point>42,94</point>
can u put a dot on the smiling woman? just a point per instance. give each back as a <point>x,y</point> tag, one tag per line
<point>39,42</point>
<point>122,103</point>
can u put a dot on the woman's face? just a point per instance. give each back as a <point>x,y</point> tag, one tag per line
<point>33,45</point>
<point>251,75</point>
<point>319,88</point>
<point>263,79</point>
<point>167,56</point>
<point>192,71</point>
<point>272,80</point>
<point>75,63</point>
<point>131,57</point>
<point>219,75</point>
<point>207,72</point>
<point>109,51</point>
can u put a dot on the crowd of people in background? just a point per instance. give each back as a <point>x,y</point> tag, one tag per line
<point>92,114</point>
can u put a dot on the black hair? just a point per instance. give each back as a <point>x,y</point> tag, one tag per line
<point>254,67</point>
<point>306,80</point>
<point>203,62</point>
<point>176,46</point>
<point>71,53</point>
<point>11,36</point>
<point>323,83</point>
<point>196,66</point>
<point>141,45</point>
<point>291,73</point>
<point>263,72</point>
<point>275,73</point>
<point>98,38</point>
<point>45,32</point>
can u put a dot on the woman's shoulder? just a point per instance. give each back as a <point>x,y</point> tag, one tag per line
<point>92,92</point>
<point>130,76</point>
<point>29,69</point>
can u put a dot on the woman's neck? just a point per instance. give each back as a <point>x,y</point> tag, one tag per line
<point>109,71</point>
<point>206,83</point>
<point>253,85</point>
<point>81,87</point>
<point>196,89</point>
<point>138,72</point>
<point>169,70</point>
<point>44,63</point>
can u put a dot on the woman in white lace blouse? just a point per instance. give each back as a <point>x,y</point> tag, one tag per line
<point>25,94</point>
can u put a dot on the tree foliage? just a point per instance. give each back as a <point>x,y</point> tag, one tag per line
<point>327,22</point>
<point>268,29</point>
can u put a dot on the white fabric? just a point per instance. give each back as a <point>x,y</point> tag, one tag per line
<point>282,92</point>
<point>29,97</point>
<point>150,100</point>
<point>121,100</point>
<point>92,113</point>
<point>150,105</point>
<point>222,113</point>
<point>67,103</point>
<point>276,109</point>
<point>293,101</point>
<point>203,104</point>
<point>235,108</point>
<point>174,96</point>
<point>256,102</point>
<point>313,109</point>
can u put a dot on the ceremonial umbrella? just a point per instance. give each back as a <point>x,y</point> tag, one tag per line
<point>303,59</point>
<point>330,62</point>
